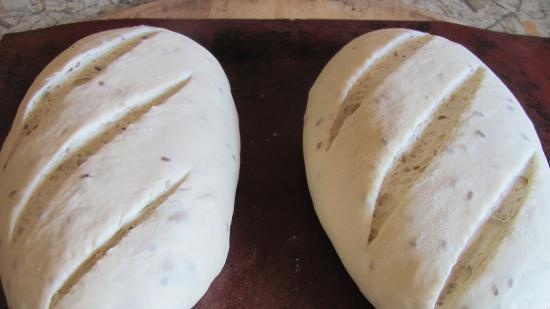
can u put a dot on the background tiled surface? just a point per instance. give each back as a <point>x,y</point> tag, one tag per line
<point>512,16</point>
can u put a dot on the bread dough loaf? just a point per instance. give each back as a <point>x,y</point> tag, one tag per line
<point>428,176</point>
<point>118,176</point>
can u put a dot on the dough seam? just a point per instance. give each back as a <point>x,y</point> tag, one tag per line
<point>373,75</point>
<point>407,166</point>
<point>54,177</point>
<point>478,251</point>
<point>145,214</point>
<point>80,69</point>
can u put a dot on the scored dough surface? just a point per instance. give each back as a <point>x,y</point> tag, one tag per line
<point>118,176</point>
<point>428,176</point>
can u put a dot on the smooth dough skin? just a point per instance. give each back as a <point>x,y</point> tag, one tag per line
<point>118,177</point>
<point>428,176</point>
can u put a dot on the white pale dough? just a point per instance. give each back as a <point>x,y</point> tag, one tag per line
<point>118,176</point>
<point>428,176</point>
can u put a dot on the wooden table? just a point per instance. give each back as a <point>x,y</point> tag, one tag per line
<point>278,9</point>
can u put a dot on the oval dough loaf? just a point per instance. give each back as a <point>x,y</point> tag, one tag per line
<point>428,176</point>
<point>118,176</point>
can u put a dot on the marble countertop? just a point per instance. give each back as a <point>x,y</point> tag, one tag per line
<point>530,17</point>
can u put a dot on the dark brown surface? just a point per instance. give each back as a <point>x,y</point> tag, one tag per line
<point>280,257</point>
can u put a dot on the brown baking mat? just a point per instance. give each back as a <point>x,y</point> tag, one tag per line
<point>280,257</point>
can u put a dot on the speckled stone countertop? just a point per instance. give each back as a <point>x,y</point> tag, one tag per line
<point>23,15</point>
<point>511,16</point>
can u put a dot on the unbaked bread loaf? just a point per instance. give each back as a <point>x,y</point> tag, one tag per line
<point>118,176</point>
<point>428,176</point>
